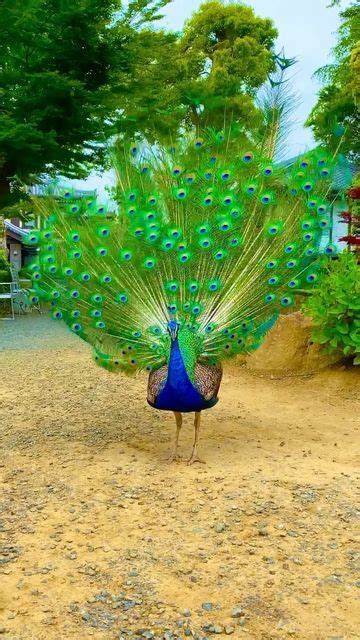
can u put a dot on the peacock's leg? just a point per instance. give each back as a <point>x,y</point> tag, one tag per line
<point>194,455</point>
<point>175,456</point>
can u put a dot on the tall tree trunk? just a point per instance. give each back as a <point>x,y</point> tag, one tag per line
<point>4,197</point>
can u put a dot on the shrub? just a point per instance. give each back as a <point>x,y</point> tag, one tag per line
<point>4,265</point>
<point>335,307</point>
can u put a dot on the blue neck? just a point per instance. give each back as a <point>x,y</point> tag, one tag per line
<point>179,394</point>
<point>177,369</point>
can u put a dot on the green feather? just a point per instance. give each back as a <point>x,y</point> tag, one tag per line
<point>220,238</point>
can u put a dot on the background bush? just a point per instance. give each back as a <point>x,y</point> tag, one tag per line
<point>335,307</point>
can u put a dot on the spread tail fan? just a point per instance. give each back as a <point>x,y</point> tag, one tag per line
<point>218,238</point>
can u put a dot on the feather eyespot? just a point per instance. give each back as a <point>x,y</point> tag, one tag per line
<point>248,157</point>
<point>309,252</point>
<point>307,186</point>
<point>265,199</point>
<point>307,237</point>
<point>330,249</point>
<point>290,248</point>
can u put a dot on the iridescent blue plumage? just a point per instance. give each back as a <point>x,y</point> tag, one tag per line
<point>178,392</point>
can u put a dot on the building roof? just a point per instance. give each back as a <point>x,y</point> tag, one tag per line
<point>15,232</point>
<point>49,187</point>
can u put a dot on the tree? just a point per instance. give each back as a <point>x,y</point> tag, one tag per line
<point>73,74</point>
<point>226,54</point>
<point>64,67</point>
<point>337,109</point>
<point>209,72</point>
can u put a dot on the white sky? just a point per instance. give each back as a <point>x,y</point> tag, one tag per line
<point>307,31</point>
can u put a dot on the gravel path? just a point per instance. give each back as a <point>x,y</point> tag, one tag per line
<point>100,538</point>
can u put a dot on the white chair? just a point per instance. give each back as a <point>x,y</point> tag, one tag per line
<point>21,300</point>
<point>8,296</point>
<point>17,296</point>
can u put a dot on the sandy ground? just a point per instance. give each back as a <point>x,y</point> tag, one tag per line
<point>100,538</point>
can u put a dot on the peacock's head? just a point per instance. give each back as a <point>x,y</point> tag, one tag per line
<point>173,328</point>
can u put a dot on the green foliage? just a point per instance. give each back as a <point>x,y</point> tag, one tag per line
<point>335,307</point>
<point>208,73</point>
<point>73,74</point>
<point>337,109</point>
<point>5,275</point>
<point>64,68</point>
<point>4,265</point>
<point>226,53</point>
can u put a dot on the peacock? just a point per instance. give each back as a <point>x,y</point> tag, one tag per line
<point>203,244</point>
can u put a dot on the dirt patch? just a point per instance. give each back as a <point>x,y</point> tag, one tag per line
<point>288,347</point>
<point>101,538</point>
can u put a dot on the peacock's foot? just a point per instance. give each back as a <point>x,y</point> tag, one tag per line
<point>174,457</point>
<point>195,458</point>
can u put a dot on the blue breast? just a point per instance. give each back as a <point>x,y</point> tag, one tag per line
<point>179,394</point>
